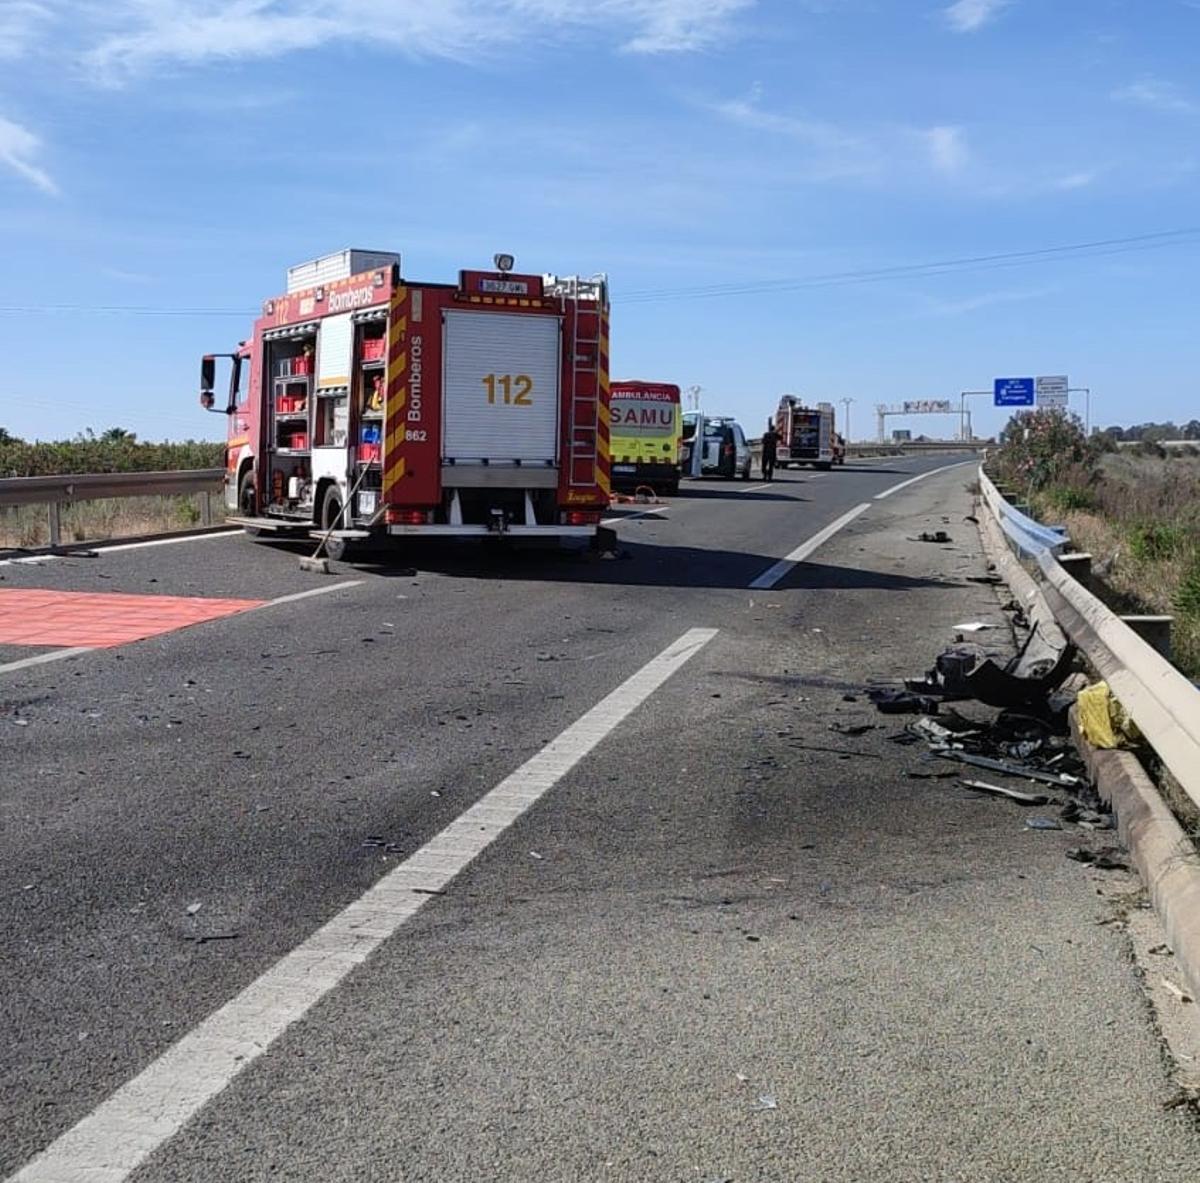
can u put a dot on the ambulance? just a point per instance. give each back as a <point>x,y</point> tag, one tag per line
<point>647,435</point>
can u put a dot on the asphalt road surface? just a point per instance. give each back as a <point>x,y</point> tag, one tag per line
<point>544,867</point>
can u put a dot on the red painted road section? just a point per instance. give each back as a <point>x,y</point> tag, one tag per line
<point>100,621</point>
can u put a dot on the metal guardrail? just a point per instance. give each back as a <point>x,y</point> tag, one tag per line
<point>1159,699</point>
<point>56,491</point>
<point>902,449</point>
<point>1030,537</point>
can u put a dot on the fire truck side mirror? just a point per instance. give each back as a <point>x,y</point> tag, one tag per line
<point>208,378</point>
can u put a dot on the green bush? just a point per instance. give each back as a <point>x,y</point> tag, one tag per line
<point>1154,541</point>
<point>1064,499</point>
<point>1187,595</point>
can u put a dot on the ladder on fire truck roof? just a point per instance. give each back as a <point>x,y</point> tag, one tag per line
<point>588,299</point>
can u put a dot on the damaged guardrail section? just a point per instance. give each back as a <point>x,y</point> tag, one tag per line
<point>57,491</point>
<point>1159,699</point>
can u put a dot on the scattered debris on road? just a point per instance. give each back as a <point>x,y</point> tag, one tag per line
<point>1175,991</point>
<point>982,786</point>
<point>935,536</point>
<point>853,729</point>
<point>1039,822</point>
<point>1107,858</point>
<point>192,909</point>
<point>890,701</point>
<point>766,1101</point>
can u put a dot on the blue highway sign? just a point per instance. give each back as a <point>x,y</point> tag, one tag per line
<point>1014,392</point>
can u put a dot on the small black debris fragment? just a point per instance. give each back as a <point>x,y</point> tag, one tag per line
<point>1107,858</point>
<point>853,729</point>
<point>891,701</point>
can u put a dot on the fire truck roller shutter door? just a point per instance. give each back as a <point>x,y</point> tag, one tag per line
<point>501,387</point>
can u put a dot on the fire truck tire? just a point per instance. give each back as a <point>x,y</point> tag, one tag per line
<point>247,498</point>
<point>331,510</point>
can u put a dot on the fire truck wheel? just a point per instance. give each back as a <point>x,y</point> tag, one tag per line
<point>331,511</point>
<point>247,500</point>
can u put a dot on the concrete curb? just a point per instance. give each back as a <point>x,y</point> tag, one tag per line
<point>1162,853</point>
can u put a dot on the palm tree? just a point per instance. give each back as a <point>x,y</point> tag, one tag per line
<point>118,435</point>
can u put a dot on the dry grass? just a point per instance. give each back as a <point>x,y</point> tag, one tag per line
<point>27,526</point>
<point>1141,523</point>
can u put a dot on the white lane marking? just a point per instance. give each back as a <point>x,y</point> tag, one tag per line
<point>232,532</point>
<point>920,477</point>
<point>308,595</point>
<point>758,488</point>
<point>772,575</point>
<point>43,659</point>
<point>101,549</point>
<point>115,1138</point>
<point>629,517</point>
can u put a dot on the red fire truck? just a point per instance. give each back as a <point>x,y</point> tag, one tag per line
<point>367,407</point>
<point>806,434</point>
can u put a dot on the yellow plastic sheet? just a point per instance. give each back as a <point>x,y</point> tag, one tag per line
<point>1103,720</point>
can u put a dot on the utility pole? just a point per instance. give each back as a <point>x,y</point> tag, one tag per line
<point>963,418</point>
<point>1086,391</point>
<point>846,403</point>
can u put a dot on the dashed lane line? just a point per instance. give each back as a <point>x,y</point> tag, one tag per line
<point>115,1138</point>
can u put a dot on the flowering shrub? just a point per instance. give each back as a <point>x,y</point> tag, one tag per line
<point>1043,448</point>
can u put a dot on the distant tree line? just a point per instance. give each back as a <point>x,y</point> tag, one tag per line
<point>1155,432</point>
<point>114,450</point>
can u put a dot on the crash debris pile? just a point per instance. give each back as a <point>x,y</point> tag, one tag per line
<point>1024,737</point>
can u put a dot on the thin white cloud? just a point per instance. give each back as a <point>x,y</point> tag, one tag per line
<point>1156,94</point>
<point>22,23</point>
<point>1077,180</point>
<point>988,300</point>
<point>965,16</point>
<point>139,36</point>
<point>19,148</point>
<point>947,148</point>
<point>830,151</point>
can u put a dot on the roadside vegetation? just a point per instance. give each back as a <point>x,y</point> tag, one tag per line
<point>114,450</point>
<point>1137,511</point>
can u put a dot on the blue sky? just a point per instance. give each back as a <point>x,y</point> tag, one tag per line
<point>175,156</point>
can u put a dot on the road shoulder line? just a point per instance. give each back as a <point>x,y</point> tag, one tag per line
<point>772,575</point>
<point>920,477</point>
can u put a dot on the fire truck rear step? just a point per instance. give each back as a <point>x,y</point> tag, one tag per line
<point>276,525</point>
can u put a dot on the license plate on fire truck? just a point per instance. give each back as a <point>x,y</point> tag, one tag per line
<point>624,468</point>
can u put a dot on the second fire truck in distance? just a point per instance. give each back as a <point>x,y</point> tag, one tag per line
<point>806,434</point>
<point>369,407</point>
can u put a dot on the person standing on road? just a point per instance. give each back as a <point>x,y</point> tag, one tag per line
<point>770,447</point>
